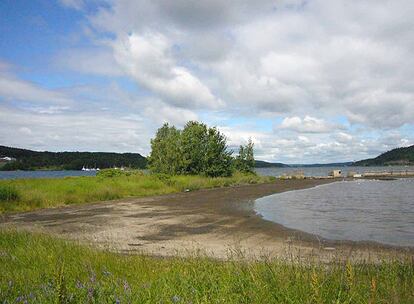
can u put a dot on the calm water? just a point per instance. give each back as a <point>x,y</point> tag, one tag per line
<point>324,171</point>
<point>43,174</point>
<point>370,210</point>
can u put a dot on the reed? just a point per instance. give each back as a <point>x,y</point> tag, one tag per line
<point>41,269</point>
<point>29,194</point>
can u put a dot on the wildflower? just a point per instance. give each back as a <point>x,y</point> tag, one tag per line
<point>176,299</point>
<point>93,277</point>
<point>79,284</point>
<point>20,299</point>
<point>106,273</point>
<point>117,301</point>
<point>91,292</point>
<point>126,285</point>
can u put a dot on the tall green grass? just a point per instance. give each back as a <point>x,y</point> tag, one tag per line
<point>40,269</point>
<point>8,193</point>
<point>43,193</point>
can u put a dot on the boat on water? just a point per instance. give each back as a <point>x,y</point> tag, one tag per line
<point>89,169</point>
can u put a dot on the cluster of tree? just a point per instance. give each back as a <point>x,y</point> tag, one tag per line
<point>197,149</point>
<point>398,156</point>
<point>32,160</point>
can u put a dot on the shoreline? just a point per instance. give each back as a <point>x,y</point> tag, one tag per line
<point>214,222</point>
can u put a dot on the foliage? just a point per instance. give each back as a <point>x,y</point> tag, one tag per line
<point>8,193</point>
<point>218,160</point>
<point>196,149</point>
<point>30,160</point>
<point>194,141</point>
<point>398,156</point>
<point>44,193</point>
<point>118,172</point>
<point>165,154</point>
<point>245,160</point>
<point>42,269</point>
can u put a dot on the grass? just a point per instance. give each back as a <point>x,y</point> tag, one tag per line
<point>8,193</point>
<point>40,269</point>
<point>30,194</point>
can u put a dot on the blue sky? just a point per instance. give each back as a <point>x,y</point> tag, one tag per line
<point>308,81</point>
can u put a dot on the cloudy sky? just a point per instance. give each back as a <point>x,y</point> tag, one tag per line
<point>308,81</point>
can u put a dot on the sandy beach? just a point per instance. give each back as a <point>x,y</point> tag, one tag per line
<point>220,223</point>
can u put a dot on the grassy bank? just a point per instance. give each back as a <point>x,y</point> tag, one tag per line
<point>40,269</point>
<point>30,194</point>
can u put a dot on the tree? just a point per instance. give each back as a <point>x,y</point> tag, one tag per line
<point>165,154</point>
<point>194,139</point>
<point>196,149</point>
<point>218,160</point>
<point>244,162</point>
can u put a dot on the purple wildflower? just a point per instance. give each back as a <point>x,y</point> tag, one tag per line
<point>90,292</point>
<point>93,277</point>
<point>79,284</point>
<point>126,285</point>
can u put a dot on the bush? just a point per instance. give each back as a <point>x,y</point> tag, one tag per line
<point>195,150</point>
<point>244,162</point>
<point>8,193</point>
<point>118,172</point>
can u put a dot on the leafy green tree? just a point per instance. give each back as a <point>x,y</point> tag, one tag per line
<point>166,153</point>
<point>194,139</point>
<point>218,160</point>
<point>196,149</point>
<point>244,162</point>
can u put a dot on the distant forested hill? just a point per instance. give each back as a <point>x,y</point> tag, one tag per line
<point>399,156</point>
<point>32,160</point>
<point>264,164</point>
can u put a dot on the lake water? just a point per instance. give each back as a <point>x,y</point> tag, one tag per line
<point>44,174</point>
<point>324,171</point>
<point>360,210</point>
<point>315,171</point>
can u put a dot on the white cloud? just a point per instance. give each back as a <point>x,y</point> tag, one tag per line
<point>307,125</point>
<point>288,57</point>
<point>147,58</point>
<point>308,62</point>
<point>99,61</point>
<point>75,4</point>
<point>161,113</point>
<point>73,131</point>
<point>343,137</point>
<point>14,89</point>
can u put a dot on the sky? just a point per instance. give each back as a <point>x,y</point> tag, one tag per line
<point>309,81</point>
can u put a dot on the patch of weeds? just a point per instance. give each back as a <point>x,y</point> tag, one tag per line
<point>9,193</point>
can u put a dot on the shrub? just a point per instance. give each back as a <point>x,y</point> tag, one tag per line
<point>118,172</point>
<point>197,149</point>
<point>244,162</point>
<point>9,193</point>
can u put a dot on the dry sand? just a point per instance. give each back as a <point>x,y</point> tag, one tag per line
<point>218,222</point>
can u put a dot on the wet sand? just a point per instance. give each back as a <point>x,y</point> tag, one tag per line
<point>219,223</point>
